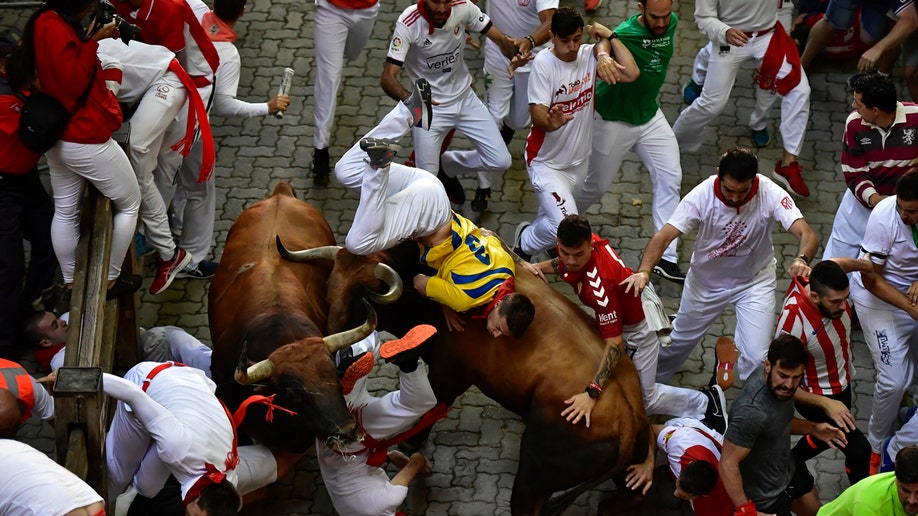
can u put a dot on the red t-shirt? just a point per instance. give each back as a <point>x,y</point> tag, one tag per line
<point>597,285</point>
<point>65,65</point>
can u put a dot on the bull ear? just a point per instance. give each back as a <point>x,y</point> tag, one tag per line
<point>344,339</point>
<point>327,252</point>
<point>390,277</point>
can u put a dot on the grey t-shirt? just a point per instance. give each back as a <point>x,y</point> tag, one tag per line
<point>761,423</point>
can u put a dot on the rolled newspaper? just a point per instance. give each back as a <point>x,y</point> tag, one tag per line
<point>655,315</point>
<point>284,89</point>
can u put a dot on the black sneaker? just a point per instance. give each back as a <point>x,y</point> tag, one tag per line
<point>480,202</point>
<point>126,284</point>
<point>670,271</point>
<point>715,416</point>
<point>453,187</point>
<point>203,270</point>
<point>381,151</point>
<point>320,168</point>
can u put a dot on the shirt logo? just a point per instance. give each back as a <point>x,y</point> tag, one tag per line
<point>908,136</point>
<point>866,141</point>
<point>427,42</point>
<point>787,203</point>
<point>396,43</point>
<point>599,293</point>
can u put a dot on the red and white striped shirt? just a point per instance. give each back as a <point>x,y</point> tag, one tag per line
<point>828,370</point>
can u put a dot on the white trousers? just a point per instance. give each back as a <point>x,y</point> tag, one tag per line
<point>396,202</point>
<point>892,337</point>
<point>847,229</point>
<point>655,143</point>
<point>197,211</point>
<point>507,99</point>
<point>643,347</point>
<point>764,99</point>
<point>108,169</point>
<point>722,70</point>
<point>470,116</point>
<point>157,110</point>
<point>355,487</point>
<point>555,189</point>
<point>700,305</point>
<point>339,33</point>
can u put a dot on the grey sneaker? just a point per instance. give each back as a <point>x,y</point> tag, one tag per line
<point>380,150</point>
<point>517,247</point>
<point>419,102</point>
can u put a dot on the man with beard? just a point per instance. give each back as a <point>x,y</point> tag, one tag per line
<point>816,311</point>
<point>895,494</point>
<point>734,259</point>
<point>756,465</point>
<point>629,117</point>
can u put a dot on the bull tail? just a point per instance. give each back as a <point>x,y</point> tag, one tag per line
<point>283,188</point>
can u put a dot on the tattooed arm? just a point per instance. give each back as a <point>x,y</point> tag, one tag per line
<point>581,405</point>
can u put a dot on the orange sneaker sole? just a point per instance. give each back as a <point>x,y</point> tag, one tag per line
<point>414,338</point>
<point>727,355</point>
<point>360,368</point>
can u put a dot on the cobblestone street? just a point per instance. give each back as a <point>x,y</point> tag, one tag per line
<point>474,452</point>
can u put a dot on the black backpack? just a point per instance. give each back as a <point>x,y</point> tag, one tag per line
<point>44,119</point>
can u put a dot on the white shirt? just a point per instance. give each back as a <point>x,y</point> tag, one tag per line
<point>226,86</point>
<point>733,244</point>
<point>715,17</point>
<point>890,244</point>
<point>679,435</point>
<point>518,18</point>
<point>437,57</point>
<point>572,85</point>
<point>193,429</point>
<point>141,65</point>
<point>31,484</point>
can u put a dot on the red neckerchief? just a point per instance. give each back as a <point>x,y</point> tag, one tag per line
<point>752,192</point>
<point>217,29</point>
<point>505,289</point>
<point>44,355</point>
<point>781,48</point>
<point>422,8</point>
<point>377,450</point>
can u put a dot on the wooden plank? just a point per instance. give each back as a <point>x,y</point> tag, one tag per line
<point>96,281</point>
<point>76,453</point>
<point>127,342</point>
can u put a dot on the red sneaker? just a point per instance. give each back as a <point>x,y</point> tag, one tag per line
<point>875,461</point>
<point>789,176</point>
<point>727,355</point>
<point>359,368</point>
<point>590,6</point>
<point>414,338</point>
<point>167,270</point>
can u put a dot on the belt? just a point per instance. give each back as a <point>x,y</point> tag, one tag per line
<point>759,32</point>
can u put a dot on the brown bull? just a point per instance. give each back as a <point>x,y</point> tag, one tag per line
<point>271,311</point>
<point>532,377</point>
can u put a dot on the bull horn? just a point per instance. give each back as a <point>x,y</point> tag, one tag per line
<point>390,277</point>
<point>307,255</point>
<point>256,372</point>
<point>345,338</point>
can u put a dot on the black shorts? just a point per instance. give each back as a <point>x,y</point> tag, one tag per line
<point>801,483</point>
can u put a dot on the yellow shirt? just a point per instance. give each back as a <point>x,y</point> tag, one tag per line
<point>470,267</point>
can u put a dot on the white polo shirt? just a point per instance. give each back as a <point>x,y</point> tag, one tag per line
<point>436,53</point>
<point>141,65</point>
<point>519,18</point>
<point>733,243</point>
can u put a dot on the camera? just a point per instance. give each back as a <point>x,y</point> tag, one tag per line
<point>105,13</point>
